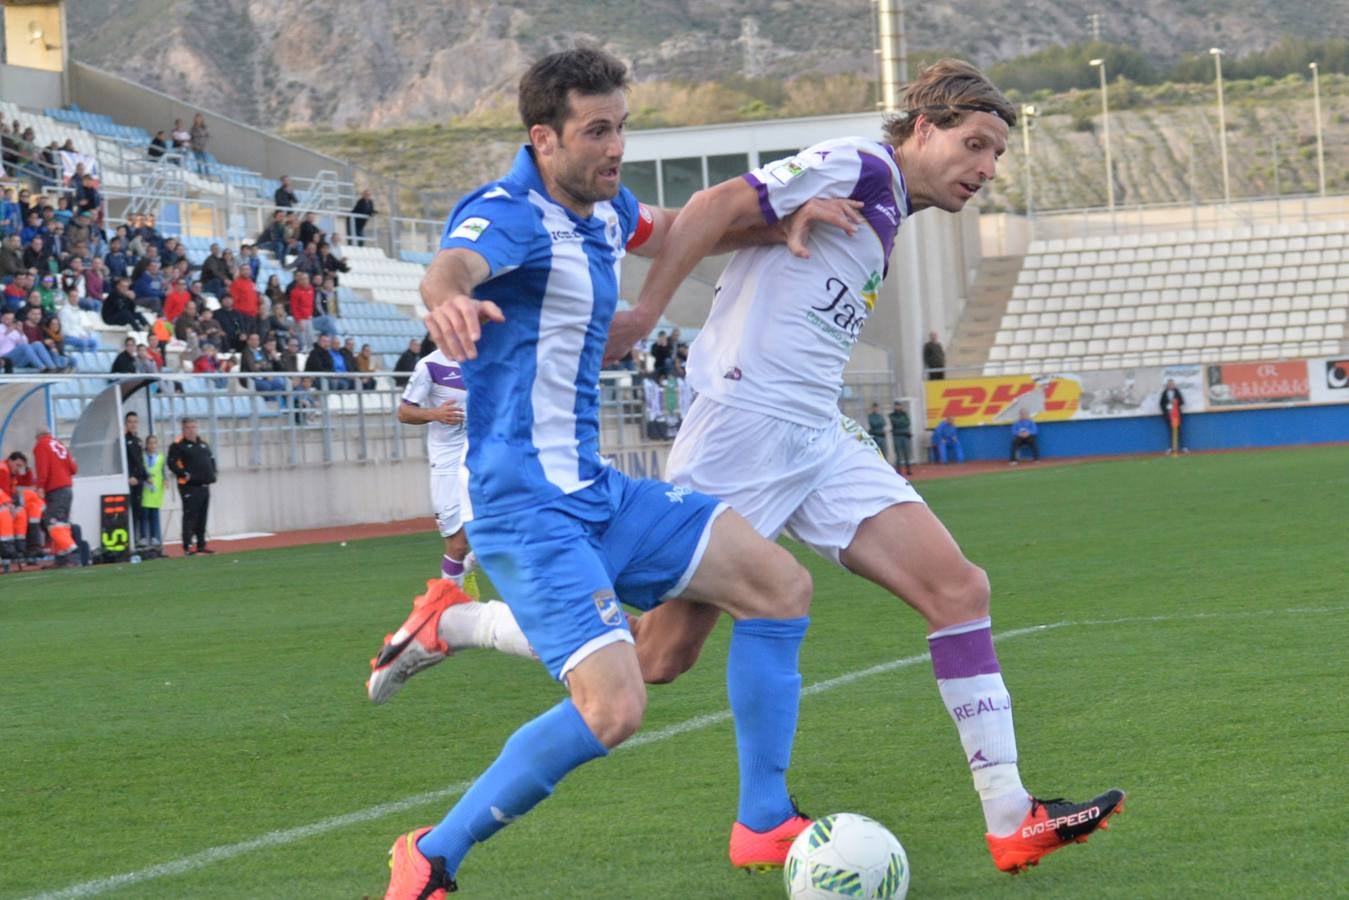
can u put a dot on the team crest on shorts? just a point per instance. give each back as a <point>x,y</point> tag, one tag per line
<point>606,606</point>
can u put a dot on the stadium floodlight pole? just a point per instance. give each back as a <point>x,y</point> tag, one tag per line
<point>1028,111</point>
<point>1217,54</point>
<point>1105,118</point>
<point>1320,147</point>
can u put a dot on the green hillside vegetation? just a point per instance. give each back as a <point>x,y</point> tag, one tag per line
<point>1164,127</point>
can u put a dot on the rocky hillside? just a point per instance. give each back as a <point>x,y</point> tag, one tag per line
<point>374,63</point>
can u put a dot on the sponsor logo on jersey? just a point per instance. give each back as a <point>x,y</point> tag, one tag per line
<point>607,608</point>
<point>871,290</point>
<point>471,228</point>
<point>733,374</point>
<point>841,316</point>
<point>677,493</point>
<point>497,191</point>
<point>889,212</point>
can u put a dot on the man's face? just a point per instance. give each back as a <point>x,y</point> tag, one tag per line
<point>132,422</point>
<point>37,243</point>
<point>585,160</point>
<point>253,341</point>
<point>34,314</point>
<point>323,341</point>
<point>952,164</point>
<point>190,430</point>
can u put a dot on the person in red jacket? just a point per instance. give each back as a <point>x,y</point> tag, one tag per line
<point>245,294</point>
<point>300,294</point>
<point>9,512</point>
<point>55,470</point>
<point>17,480</point>
<point>175,301</point>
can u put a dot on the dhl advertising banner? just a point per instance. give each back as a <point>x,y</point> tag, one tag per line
<point>1055,398</point>
<point>1256,383</point>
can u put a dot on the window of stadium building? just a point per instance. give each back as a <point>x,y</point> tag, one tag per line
<point>768,156</point>
<point>722,168</point>
<point>680,178</point>
<point>640,178</point>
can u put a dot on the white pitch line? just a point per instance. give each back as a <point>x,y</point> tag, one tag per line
<point>697,723</point>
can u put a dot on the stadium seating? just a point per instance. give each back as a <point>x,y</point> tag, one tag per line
<point>1171,297</point>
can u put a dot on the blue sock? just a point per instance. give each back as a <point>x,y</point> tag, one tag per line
<point>764,684</point>
<point>531,764</point>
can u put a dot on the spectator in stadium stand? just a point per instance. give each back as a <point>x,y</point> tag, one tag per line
<point>934,358</point>
<point>47,291</point>
<point>17,291</point>
<point>946,440</point>
<point>170,253</point>
<point>309,232</point>
<point>273,237</point>
<point>284,197</point>
<point>248,260</point>
<point>149,234</point>
<point>182,138</point>
<point>72,277</point>
<point>661,353</point>
<point>185,321</point>
<point>87,197</point>
<point>290,357</point>
<point>117,261</point>
<point>279,324</point>
<point>149,254</point>
<point>274,291</point>
<point>33,226</point>
<point>149,288</point>
<point>361,214</point>
<point>325,308</point>
<point>1171,402</point>
<point>158,146</point>
<point>136,474</point>
<point>145,363</point>
<point>1024,434</point>
<point>308,261</point>
<point>320,357</point>
<point>343,363</point>
<point>175,300</point>
<point>209,328</point>
<point>153,350</point>
<point>407,361</point>
<point>55,470</point>
<point>261,358</point>
<point>95,283</point>
<point>35,331</point>
<point>198,138</point>
<point>331,263</point>
<point>77,334</point>
<point>876,426</point>
<point>119,307</point>
<point>901,435</point>
<point>235,326</point>
<point>11,257</point>
<point>57,244</point>
<point>124,363</point>
<point>215,273</point>
<point>37,254</point>
<point>152,494</point>
<point>367,363</point>
<point>245,294</point>
<point>300,300</point>
<point>193,465</point>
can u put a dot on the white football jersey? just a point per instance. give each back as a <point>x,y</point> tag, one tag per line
<point>435,380</point>
<point>782,328</point>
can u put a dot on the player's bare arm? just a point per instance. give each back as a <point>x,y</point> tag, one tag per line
<point>454,318</point>
<point>447,413</point>
<point>628,327</point>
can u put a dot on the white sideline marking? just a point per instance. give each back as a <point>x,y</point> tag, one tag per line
<point>697,723</point>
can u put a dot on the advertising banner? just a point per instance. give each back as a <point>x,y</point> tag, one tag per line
<point>998,400</point>
<point>1251,384</point>
<point>1329,379</point>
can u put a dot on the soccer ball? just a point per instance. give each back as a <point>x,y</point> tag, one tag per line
<point>846,855</point>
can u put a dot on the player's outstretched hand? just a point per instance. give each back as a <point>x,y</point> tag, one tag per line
<point>839,212</point>
<point>627,328</point>
<point>448,413</point>
<point>455,324</point>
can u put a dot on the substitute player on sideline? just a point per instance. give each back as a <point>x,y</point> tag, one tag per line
<point>766,435</point>
<point>535,256</point>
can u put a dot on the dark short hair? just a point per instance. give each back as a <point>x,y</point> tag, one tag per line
<point>545,87</point>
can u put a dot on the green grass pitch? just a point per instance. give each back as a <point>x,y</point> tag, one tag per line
<point>197,728</point>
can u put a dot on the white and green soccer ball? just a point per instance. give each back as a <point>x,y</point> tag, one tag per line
<point>846,855</point>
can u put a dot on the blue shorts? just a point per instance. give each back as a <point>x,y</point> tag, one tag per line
<point>563,568</point>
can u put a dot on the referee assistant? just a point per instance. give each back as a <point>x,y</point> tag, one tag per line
<point>191,462</point>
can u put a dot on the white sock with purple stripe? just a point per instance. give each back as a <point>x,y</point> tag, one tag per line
<point>971,686</point>
<point>453,569</point>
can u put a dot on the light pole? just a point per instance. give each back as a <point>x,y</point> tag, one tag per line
<point>1217,54</point>
<point>1105,117</point>
<point>1320,148</point>
<point>1028,111</point>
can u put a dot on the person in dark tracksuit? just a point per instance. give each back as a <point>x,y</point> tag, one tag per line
<point>192,464</point>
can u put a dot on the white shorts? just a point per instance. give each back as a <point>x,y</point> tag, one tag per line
<point>817,484</point>
<point>449,499</point>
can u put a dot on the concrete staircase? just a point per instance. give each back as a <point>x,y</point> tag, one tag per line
<point>984,309</point>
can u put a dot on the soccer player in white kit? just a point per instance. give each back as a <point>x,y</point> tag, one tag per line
<point>765,433</point>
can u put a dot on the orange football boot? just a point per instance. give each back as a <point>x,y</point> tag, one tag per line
<point>1049,825</point>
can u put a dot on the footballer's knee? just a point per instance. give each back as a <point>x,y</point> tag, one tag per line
<point>961,598</point>
<point>615,717</point>
<point>781,590</point>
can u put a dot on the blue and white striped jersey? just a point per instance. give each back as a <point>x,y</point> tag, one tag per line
<point>533,425</point>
